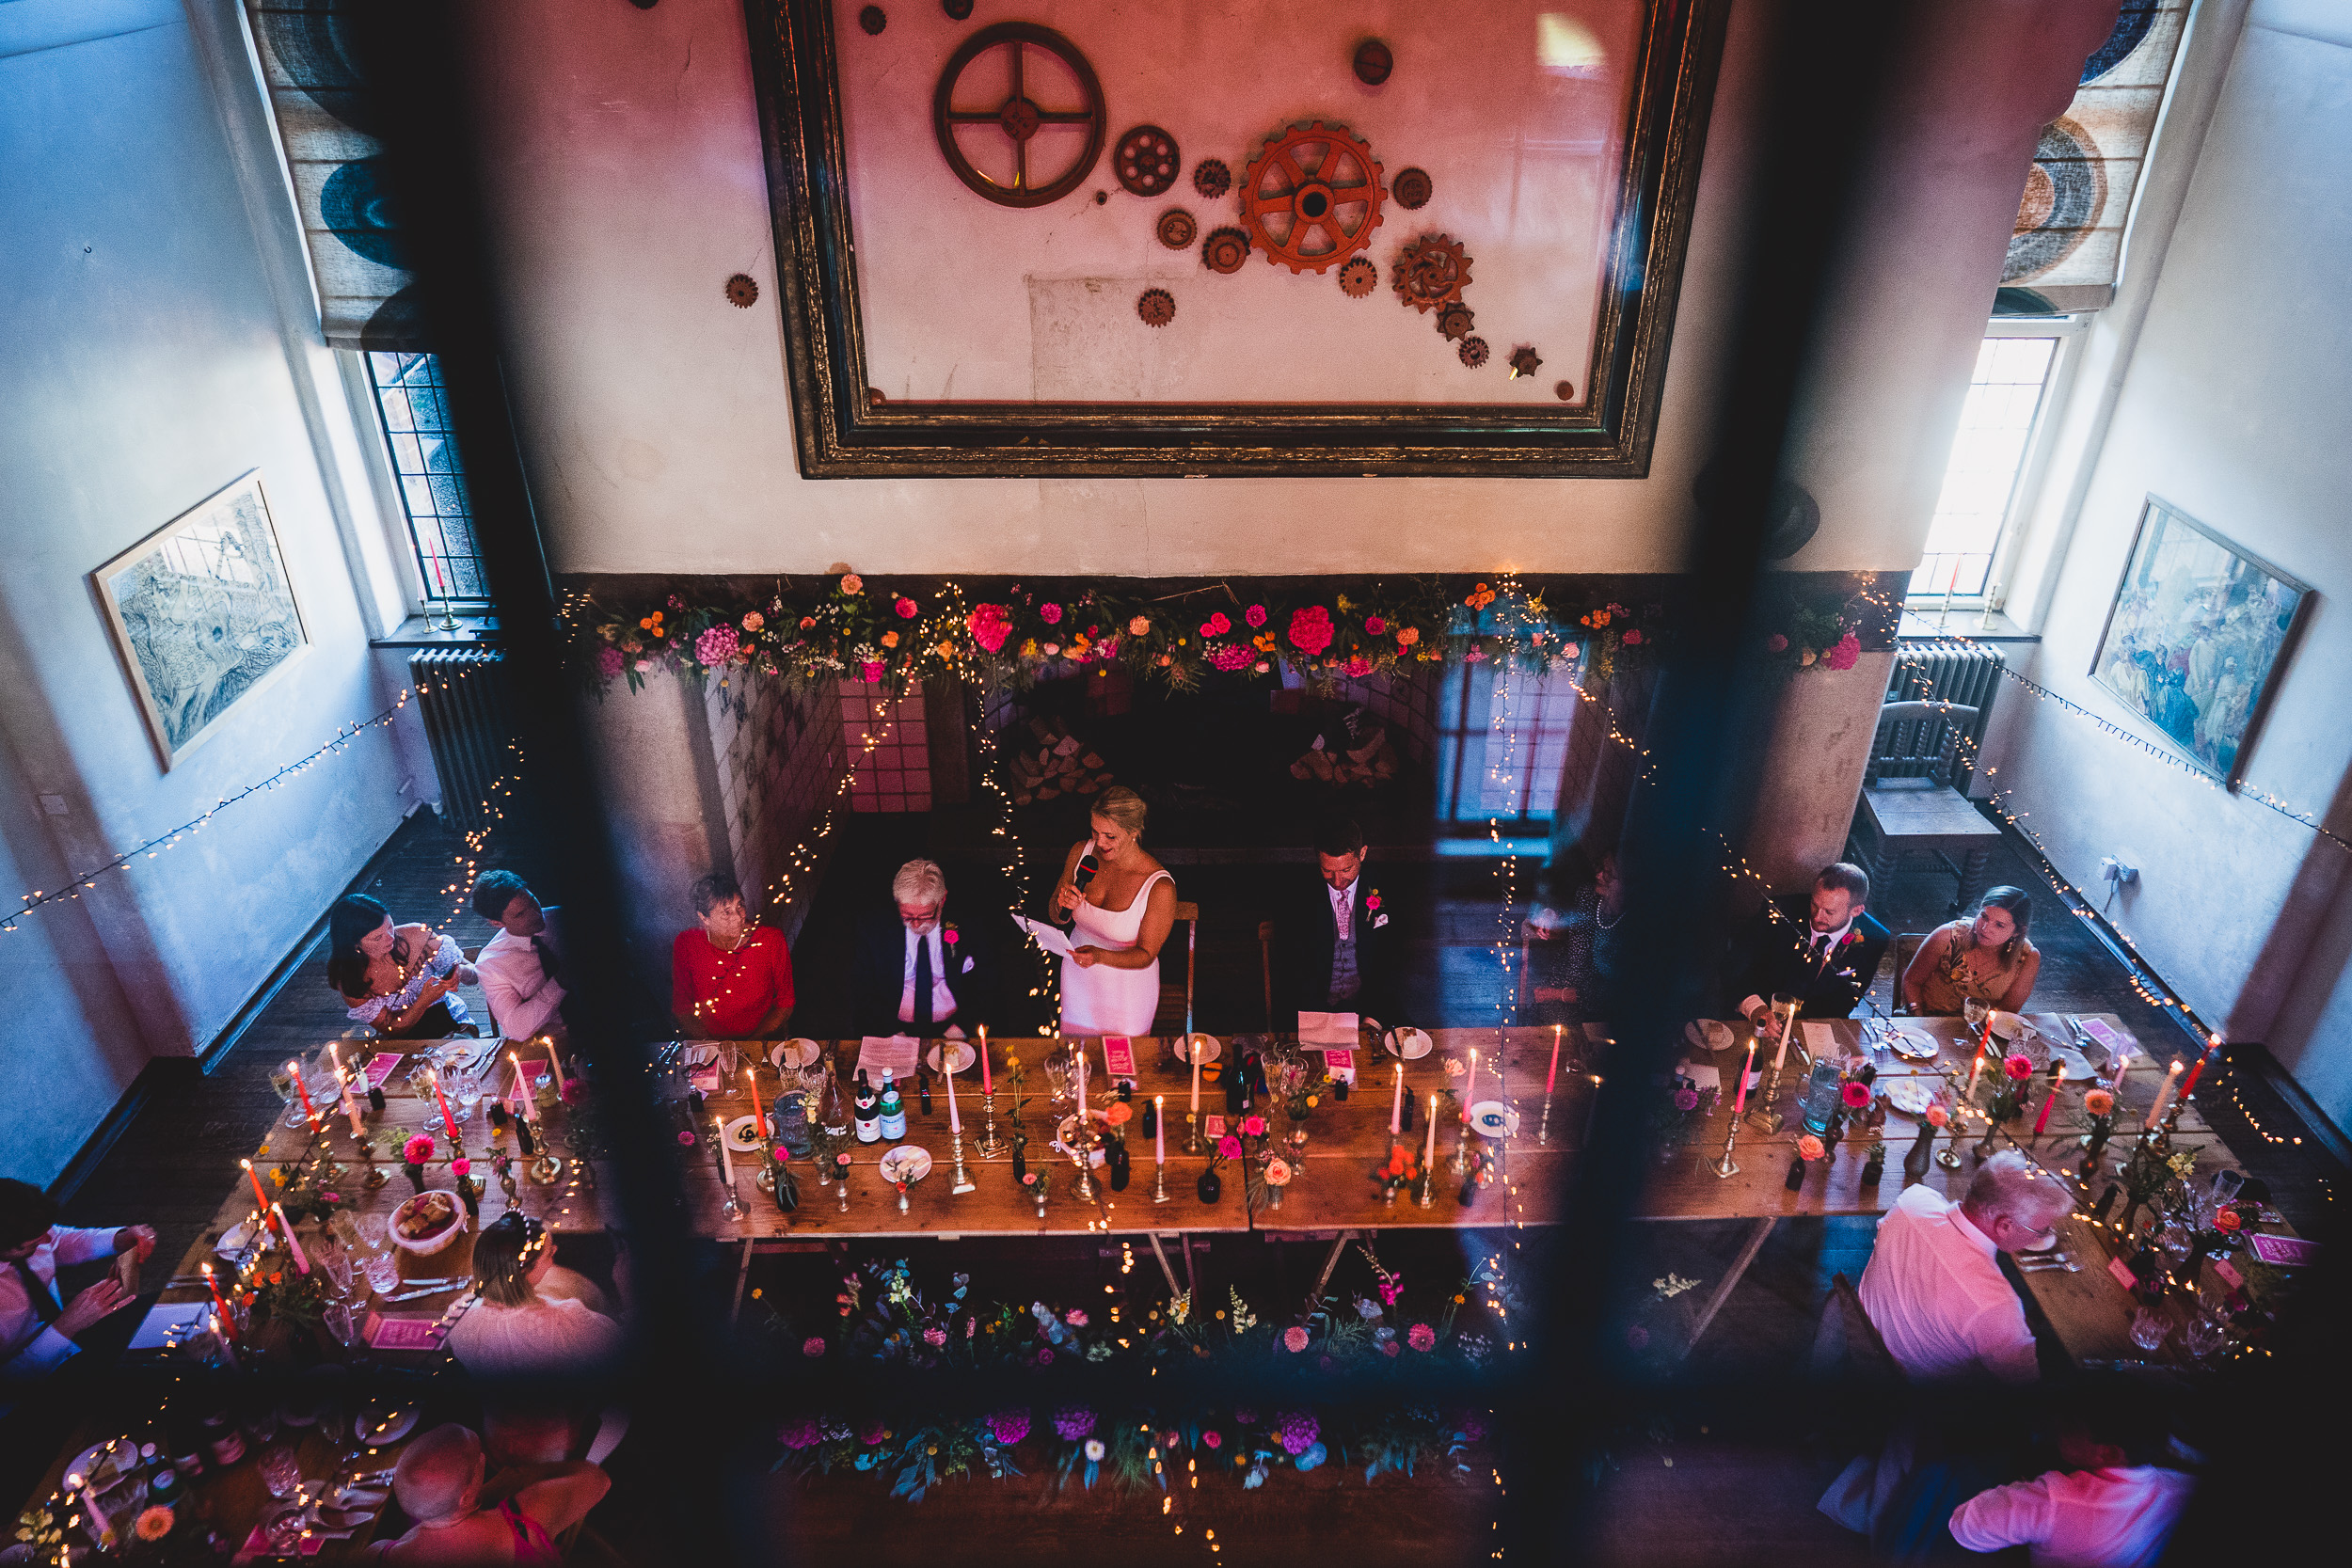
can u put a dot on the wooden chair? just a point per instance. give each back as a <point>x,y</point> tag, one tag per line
<point>1176,1000</point>
<point>1921,811</point>
<point>1846,1344</point>
<point>1907,946</point>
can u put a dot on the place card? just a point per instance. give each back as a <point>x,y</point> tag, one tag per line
<point>385,1333</point>
<point>894,1052</point>
<point>1321,1030</point>
<point>2227,1273</point>
<point>2098,1029</point>
<point>380,1067</point>
<point>2123,1277</point>
<point>2286,1252</point>
<point>1343,1064</point>
<point>1213,1127</point>
<point>1118,1058</point>
<point>1819,1042</point>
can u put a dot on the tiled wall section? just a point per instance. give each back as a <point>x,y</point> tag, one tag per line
<point>780,761</point>
<point>896,774</point>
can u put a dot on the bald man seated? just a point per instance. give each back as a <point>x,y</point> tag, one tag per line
<point>438,1484</point>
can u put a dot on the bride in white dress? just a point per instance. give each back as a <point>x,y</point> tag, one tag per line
<point>1119,919</point>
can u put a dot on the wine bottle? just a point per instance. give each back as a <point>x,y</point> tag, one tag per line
<point>923,1090</point>
<point>833,1113</point>
<point>1150,1118</point>
<point>1020,1157</point>
<point>869,1113</point>
<point>893,1110</point>
<point>1119,1167</point>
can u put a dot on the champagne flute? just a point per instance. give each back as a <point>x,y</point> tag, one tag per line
<point>282,1078</point>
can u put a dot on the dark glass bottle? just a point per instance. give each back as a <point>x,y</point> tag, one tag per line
<point>923,1090</point>
<point>868,1113</point>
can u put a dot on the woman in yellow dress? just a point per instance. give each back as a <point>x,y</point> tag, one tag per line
<point>1982,956</point>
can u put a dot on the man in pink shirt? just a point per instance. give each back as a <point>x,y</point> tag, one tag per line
<point>2113,1506</point>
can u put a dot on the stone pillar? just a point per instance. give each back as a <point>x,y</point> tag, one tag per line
<point>660,788</point>
<point>1812,770</point>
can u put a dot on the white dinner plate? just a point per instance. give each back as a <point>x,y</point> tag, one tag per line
<point>906,1162</point>
<point>795,1054</point>
<point>1909,1039</point>
<point>1411,1044</point>
<point>743,1135</point>
<point>1710,1034</point>
<point>1210,1049</point>
<point>1494,1119</point>
<point>1908,1095</point>
<point>962,1056</point>
<point>377,1426</point>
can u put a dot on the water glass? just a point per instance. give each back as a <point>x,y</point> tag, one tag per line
<point>2150,1328</point>
<point>2205,1336</point>
<point>342,1323</point>
<point>1974,1011</point>
<point>1057,1075</point>
<point>383,1270</point>
<point>467,1082</point>
<point>329,1254</point>
<point>373,1230</point>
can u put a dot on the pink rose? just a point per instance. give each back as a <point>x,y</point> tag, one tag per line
<point>1075,1317</point>
<point>1357,667</point>
<point>1215,625</point>
<point>1390,1347</point>
<point>1230,656</point>
<point>934,1336</point>
<point>609,663</point>
<point>685,1138</point>
<point>1211,1439</point>
<point>949,936</point>
<point>1295,1338</point>
<point>783,1155</point>
<point>461,1167</point>
<point>1229,1147</point>
<point>851,583</point>
<point>1373,902</point>
<point>990,626</point>
<point>1421,1337</point>
<point>1253,1126</point>
<point>1310,629</point>
<point>753,620</point>
<point>1255,615</point>
<point>1632,638</point>
<point>1776,643</point>
<point>1375,625</point>
<point>905,607</point>
<point>1050,614</point>
<point>813,1346</point>
<point>1844,655</point>
<point>717,645</point>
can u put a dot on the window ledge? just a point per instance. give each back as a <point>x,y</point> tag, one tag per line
<point>1919,624</point>
<point>424,631</point>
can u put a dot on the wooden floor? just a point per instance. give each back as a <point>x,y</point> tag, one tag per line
<point>1673,1495</point>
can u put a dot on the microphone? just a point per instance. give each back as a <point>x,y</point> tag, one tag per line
<point>1079,878</point>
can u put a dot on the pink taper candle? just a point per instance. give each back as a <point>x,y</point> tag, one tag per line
<point>1553,1076</point>
<point>1429,1147</point>
<point>1396,1104</point>
<point>955,1120</point>
<point>1159,1128</point>
<point>2163,1096</point>
<point>2043,1121</point>
<point>1740,1103</point>
<point>285,1230</point>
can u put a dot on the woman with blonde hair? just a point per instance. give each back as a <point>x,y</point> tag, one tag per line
<point>1121,904</point>
<point>536,1323</point>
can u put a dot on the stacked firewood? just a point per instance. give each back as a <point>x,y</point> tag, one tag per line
<point>1049,761</point>
<point>1363,755</point>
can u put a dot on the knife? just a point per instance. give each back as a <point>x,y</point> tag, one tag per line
<point>412,1295</point>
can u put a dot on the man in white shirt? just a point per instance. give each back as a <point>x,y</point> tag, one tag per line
<point>519,965</point>
<point>2113,1506</point>
<point>917,972</point>
<point>1934,1288</point>
<point>37,1330</point>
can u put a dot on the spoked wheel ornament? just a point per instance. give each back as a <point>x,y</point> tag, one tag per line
<point>1311,197</point>
<point>1009,47</point>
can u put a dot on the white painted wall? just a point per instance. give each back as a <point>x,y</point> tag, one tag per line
<point>624,166</point>
<point>2228,400</point>
<point>145,362</point>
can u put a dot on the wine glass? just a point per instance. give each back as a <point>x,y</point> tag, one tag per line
<point>1973,1012</point>
<point>383,1271</point>
<point>1057,1075</point>
<point>329,1254</point>
<point>2150,1328</point>
<point>467,1081</point>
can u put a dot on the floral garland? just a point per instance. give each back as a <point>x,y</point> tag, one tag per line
<point>856,630</point>
<point>1135,1448</point>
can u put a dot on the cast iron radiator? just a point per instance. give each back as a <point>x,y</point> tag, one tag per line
<point>1967,674</point>
<point>462,697</point>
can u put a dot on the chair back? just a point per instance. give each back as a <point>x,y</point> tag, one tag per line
<point>1907,946</point>
<point>1917,739</point>
<point>1846,1344</point>
<point>1175,1000</point>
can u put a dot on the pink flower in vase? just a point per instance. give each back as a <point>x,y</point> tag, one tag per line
<point>1255,615</point>
<point>1294,1339</point>
<point>1421,1337</point>
<point>813,1346</point>
<point>1049,613</point>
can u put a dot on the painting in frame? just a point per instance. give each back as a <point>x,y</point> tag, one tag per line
<point>204,614</point>
<point>2195,637</point>
<point>949,309</point>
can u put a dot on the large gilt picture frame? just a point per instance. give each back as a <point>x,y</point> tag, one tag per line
<point>204,614</point>
<point>844,336</point>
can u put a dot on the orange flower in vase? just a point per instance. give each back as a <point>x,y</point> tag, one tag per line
<point>1809,1147</point>
<point>1938,1116</point>
<point>2099,1102</point>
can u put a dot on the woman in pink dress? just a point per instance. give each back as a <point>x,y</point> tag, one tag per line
<point>1121,904</point>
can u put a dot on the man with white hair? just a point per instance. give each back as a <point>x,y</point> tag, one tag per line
<point>918,971</point>
<point>438,1482</point>
<point>1934,1288</point>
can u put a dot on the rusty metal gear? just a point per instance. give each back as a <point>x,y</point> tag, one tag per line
<point>1359,277</point>
<point>1473,352</point>
<point>741,292</point>
<point>1454,320</point>
<point>1431,271</point>
<point>1146,161</point>
<point>1157,307</point>
<point>1564,390</point>
<point>1225,251</point>
<point>1211,178</point>
<point>1176,228</point>
<point>1411,188</point>
<point>1311,197</point>
<point>1524,362</point>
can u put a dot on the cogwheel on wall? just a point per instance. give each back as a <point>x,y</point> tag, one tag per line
<point>1146,161</point>
<point>1473,352</point>
<point>1524,362</point>
<point>1225,251</point>
<point>1358,278</point>
<point>1157,307</point>
<point>1311,197</point>
<point>1431,271</point>
<point>1211,178</point>
<point>1411,188</point>
<point>1454,320</point>
<point>1176,229</point>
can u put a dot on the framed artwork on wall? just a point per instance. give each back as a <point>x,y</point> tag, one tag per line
<point>1215,237</point>
<point>2196,636</point>
<point>204,614</point>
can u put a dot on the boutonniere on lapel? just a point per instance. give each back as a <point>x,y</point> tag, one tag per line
<point>1371,908</point>
<point>1851,937</point>
<point>947,934</point>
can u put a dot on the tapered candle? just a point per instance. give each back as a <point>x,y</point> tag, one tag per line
<point>528,1101</point>
<point>442,1100</point>
<point>2163,1096</point>
<point>1975,1068</point>
<point>955,1121</point>
<point>727,1159</point>
<point>1396,1104</point>
<point>1782,1054</point>
<point>751,1077</point>
<point>220,1302</point>
<point>286,1229</point>
<point>351,1106</point>
<point>254,1177</point>
<point>1429,1148</point>
<point>1192,1045</point>
<point>1739,1101</point>
<point>304,1090</point>
<point>1553,1076</point>
<point>560,1085</point>
<point>2122,1065</point>
<point>2188,1085</point>
<point>988,1085</point>
<point>1469,1085</point>
<point>1159,1128</point>
<point>2043,1121</point>
<point>1081,1084</point>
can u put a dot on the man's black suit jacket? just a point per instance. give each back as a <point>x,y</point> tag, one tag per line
<point>1772,957</point>
<point>877,973</point>
<point>1305,933</point>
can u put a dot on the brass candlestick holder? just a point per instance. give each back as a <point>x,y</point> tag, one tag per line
<point>1192,1132</point>
<point>374,1176</point>
<point>1542,1127</point>
<point>1428,1184</point>
<point>1159,1181</point>
<point>1768,1113</point>
<point>1083,1188</point>
<point>962,1182</point>
<point>989,1145</point>
<point>1727,1167</point>
<point>731,1207</point>
<point>545,1168</point>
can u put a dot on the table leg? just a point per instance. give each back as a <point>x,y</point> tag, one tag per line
<point>1160,1253</point>
<point>1330,1261</point>
<point>1748,1250</point>
<point>742,1274</point>
<point>1192,1276</point>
